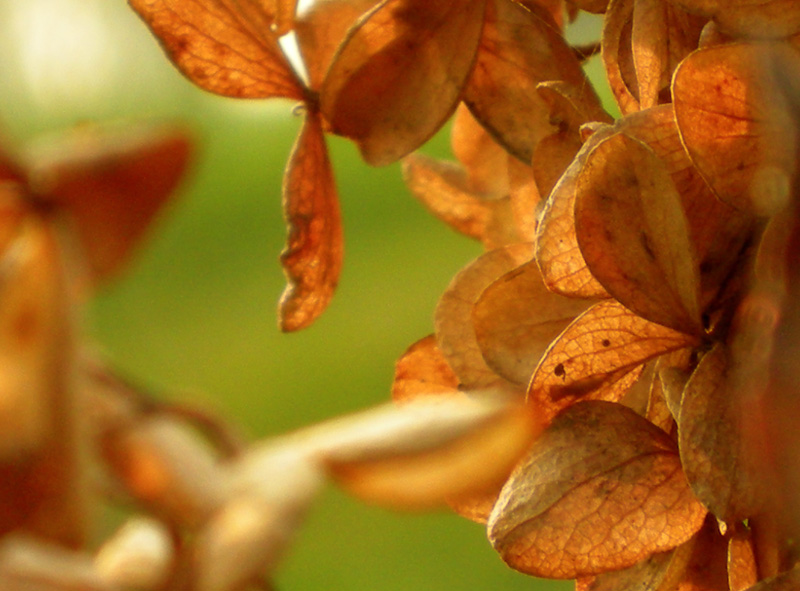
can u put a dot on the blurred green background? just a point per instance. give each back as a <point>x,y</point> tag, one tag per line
<point>195,315</point>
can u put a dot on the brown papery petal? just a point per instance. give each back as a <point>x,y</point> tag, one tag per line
<point>634,235</point>
<point>662,36</point>
<point>312,258</point>
<point>398,75</point>
<point>599,356</point>
<point>320,30</point>
<point>517,317</point>
<point>732,125</point>
<point>696,565</point>
<point>485,161</point>
<point>425,451</point>
<point>600,489</point>
<point>717,230</point>
<point>559,257</point>
<point>422,371</point>
<point>719,467</point>
<point>618,54</point>
<point>746,18</point>
<point>649,38</point>
<point>526,201</point>
<point>742,566</point>
<point>223,46</point>
<point>453,317</point>
<point>519,48</point>
<point>112,182</point>
<point>568,109</point>
<point>442,187</point>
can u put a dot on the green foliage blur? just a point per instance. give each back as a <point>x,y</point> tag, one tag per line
<point>194,318</point>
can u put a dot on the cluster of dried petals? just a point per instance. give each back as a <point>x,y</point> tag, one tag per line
<point>637,280</point>
<point>638,296</point>
<point>385,74</point>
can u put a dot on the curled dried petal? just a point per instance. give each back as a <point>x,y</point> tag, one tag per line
<point>634,235</point>
<point>312,258</point>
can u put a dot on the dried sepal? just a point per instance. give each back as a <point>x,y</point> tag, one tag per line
<point>559,257</point>
<point>568,110</point>
<point>472,465</point>
<point>422,371</point>
<point>229,48</point>
<point>657,411</point>
<point>455,332</point>
<point>112,182</point>
<point>485,162</point>
<point>662,35</point>
<point>730,125</point>
<point>618,55</point>
<point>516,318</point>
<point>742,565</point>
<point>661,571</point>
<point>600,489</point>
<point>720,469</point>
<point>312,258</point>
<point>525,199</point>
<point>745,18</point>
<point>320,28</point>
<point>425,451</point>
<point>444,190</point>
<point>519,48</point>
<point>599,356</point>
<point>634,235</point>
<point>717,231</point>
<point>138,556</point>
<point>399,73</point>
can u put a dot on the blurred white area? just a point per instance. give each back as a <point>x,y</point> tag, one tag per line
<point>65,49</point>
<point>70,61</point>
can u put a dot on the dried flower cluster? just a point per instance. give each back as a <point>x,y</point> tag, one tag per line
<point>631,318</point>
